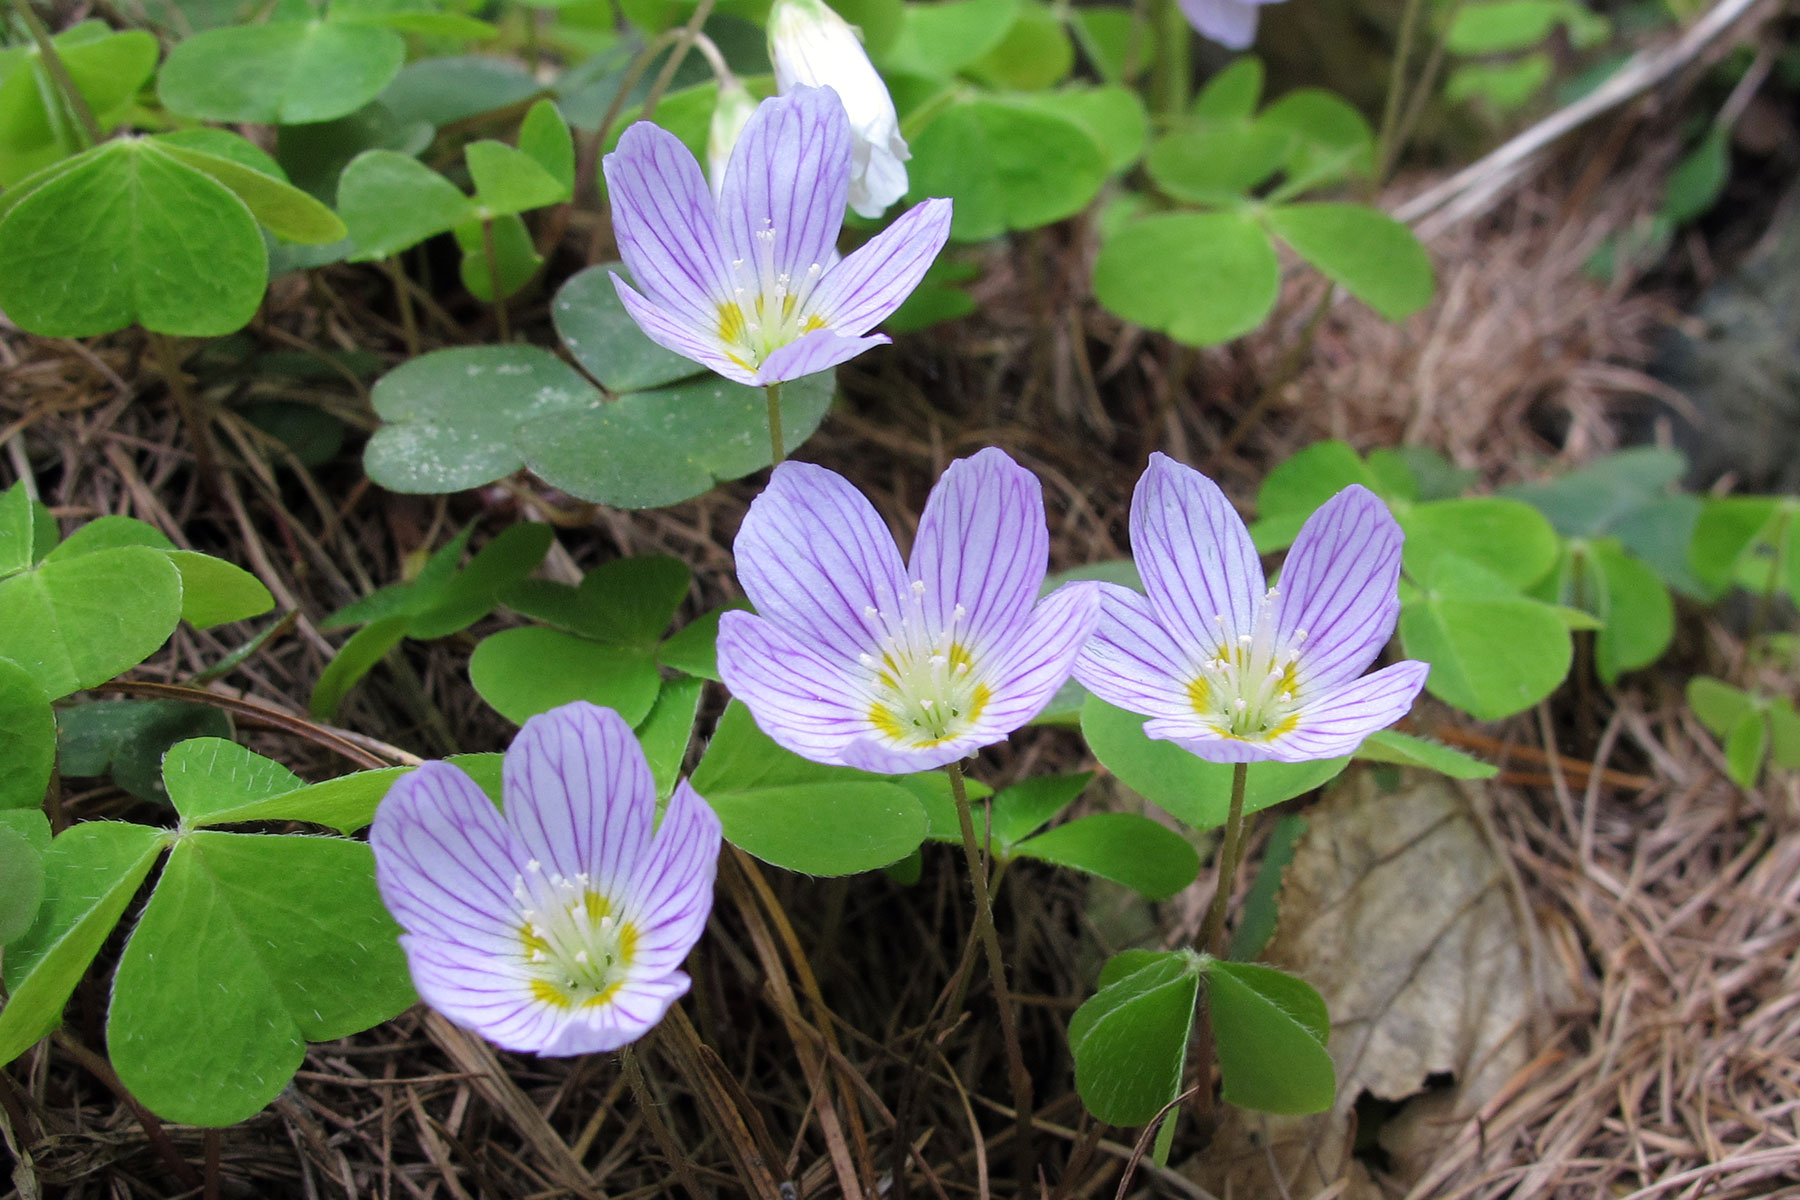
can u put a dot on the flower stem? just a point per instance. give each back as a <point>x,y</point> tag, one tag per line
<point>59,73</point>
<point>776,453</point>
<point>1230,854</point>
<point>1386,149</point>
<point>1173,72</point>
<point>492,255</point>
<point>1018,1076</point>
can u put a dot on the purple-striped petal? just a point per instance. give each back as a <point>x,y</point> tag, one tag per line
<point>1339,597</point>
<point>1041,654</point>
<point>814,557</point>
<point>1205,741</point>
<point>445,862</point>
<point>670,895</point>
<point>1132,662</point>
<point>882,756</point>
<point>666,226</point>
<point>1231,23</point>
<point>632,1012</point>
<point>671,333</point>
<point>580,795</point>
<point>862,290</point>
<point>783,199</point>
<point>1338,721</point>
<point>1199,567</point>
<point>480,994</point>
<point>982,544</point>
<point>811,353</point>
<point>805,701</point>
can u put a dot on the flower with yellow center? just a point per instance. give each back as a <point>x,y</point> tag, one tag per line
<point>1235,671</point>
<point>751,284</point>
<point>856,658</point>
<point>559,926</point>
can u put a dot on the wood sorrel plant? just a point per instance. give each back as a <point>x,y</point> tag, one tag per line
<point>1234,673</point>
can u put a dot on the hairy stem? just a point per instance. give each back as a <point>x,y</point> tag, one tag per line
<point>502,324</point>
<point>1230,854</point>
<point>776,453</point>
<point>1017,1075</point>
<point>1386,149</point>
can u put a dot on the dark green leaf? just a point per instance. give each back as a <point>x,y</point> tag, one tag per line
<point>391,201</point>
<point>1007,166</point>
<point>1234,92</point>
<point>604,339</point>
<point>127,739</point>
<point>284,210</point>
<point>1123,847</point>
<point>1130,1040</point>
<point>1257,918</point>
<point>1493,652</point>
<point>208,776</point>
<point>1392,746</point>
<point>666,732</point>
<point>1021,809</point>
<point>1746,745</point>
<point>354,659</point>
<point>1270,1029</point>
<point>1718,705</point>
<point>24,841</point>
<point>452,415</point>
<point>655,448</point>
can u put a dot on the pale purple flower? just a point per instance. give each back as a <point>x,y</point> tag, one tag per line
<point>856,658</point>
<point>1236,673</point>
<point>1231,23</point>
<point>752,285</point>
<point>558,927</point>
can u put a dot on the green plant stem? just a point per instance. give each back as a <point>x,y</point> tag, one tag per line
<point>199,428</point>
<point>1173,74</point>
<point>1386,151</point>
<point>776,453</point>
<point>1017,1075</point>
<point>59,72</point>
<point>502,324</point>
<point>683,44</point>
<point>409,317</point>
<point>1765,598</point>
<point>1231,853</point>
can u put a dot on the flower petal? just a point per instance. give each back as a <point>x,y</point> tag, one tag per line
<point>813,557</point>
<point>445,863</point>
<point>580,795</point>
<point>1231,23</point>
<point>783,199</point>
<point>1200,570</point>
<point>1340,585</point>
<point>811,353</point>
<point>1040,655</point>
<point>982,544</point>
<point>803,700</point>
<point>881,755</point>
<point>1131,661</point>
<point>671,893</point>
<point>666,226</point>
<point>1337,722</point>
<point>862,290</point>
<point>632,1012</point>
<point>878,177</point>
<point>671,333</point>
<point>480,993</point>
<point>1204,741</point>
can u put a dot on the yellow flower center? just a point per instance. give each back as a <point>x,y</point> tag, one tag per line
<point>576,951</point>
<point>925,688</point>
<point>768,308</point>
<point>1249,689</point>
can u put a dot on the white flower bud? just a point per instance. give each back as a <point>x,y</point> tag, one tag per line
<point>811,45</point>
<point>729,117</point>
